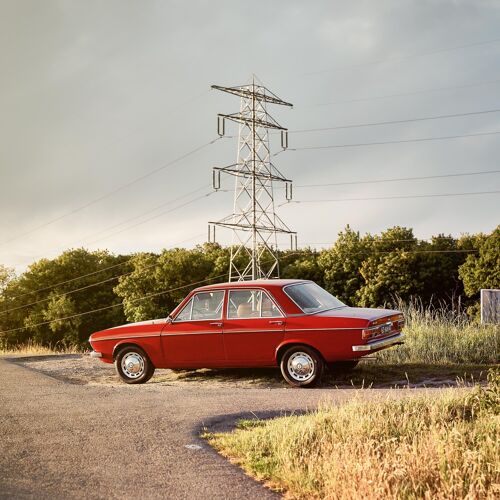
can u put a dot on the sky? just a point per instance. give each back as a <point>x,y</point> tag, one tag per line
<point>99,99</point>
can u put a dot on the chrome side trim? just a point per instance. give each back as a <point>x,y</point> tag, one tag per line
<point>277,330</point>
<point>322,329</point>
<point>178,334</point>
<point>395,339</point>
<point>94,354</point>
<point>126,337</point>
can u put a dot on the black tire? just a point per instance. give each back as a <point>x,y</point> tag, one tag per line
<point>133,365</point>
<point>340,367</point>
<point>302,366</point>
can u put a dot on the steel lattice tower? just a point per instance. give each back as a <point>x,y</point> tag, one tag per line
<point>254,221</point>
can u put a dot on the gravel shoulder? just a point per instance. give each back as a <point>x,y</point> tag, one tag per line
<point>80,369</point>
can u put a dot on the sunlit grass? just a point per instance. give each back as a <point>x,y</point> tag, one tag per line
<point>35,349</point>
<point>432,447</point>
<point>443,336</point>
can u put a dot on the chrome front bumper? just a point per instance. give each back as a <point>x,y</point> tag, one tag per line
<point>377,344</point>
<point>94,354</point>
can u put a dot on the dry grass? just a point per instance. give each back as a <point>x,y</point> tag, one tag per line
<point>443,336</point>
<point>444,447</point>
<point>34,349</point>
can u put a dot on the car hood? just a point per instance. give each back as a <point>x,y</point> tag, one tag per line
<point>357,312</point>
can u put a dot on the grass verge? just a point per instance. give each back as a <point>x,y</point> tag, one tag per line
<point>439,447</point>
<point>34,349</point>
<point>443,336</point>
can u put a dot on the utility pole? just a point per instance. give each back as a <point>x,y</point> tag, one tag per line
<point>254,222</point>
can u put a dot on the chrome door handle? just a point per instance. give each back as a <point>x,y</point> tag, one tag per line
<point>275,322</point>
<point>216,324</point>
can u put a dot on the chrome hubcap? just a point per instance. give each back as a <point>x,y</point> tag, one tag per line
<point>133,365</point>
<point>300,366</point>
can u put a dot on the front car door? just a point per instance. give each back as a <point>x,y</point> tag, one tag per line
<point>194,338</point>
<point>253,329</point>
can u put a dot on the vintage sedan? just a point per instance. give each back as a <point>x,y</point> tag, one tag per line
<point>293,324</point>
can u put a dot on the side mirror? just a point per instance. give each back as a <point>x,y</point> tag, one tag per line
<point>169,319</point>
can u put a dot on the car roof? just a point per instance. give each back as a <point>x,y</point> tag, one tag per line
<point>262,283</point>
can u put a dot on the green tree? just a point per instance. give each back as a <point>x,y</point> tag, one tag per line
<point>482,269</point>
<point>342,264</point>
<point>302,264</point>
<point>29,298</point>
<point>159,282</point>
<point>391,268</point>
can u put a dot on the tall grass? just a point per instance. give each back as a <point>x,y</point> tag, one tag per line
<point>444,447</point>
<point>35,349</point>
<point>440,335</point>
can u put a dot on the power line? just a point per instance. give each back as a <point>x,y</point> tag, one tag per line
<point>111,306</point>
<point>401,179</point>
<point>206,195</point>
<point>393,122</point>
<point>402,250</point>
<point>112,192</point>
<point>415,92</point>
<point>112,234</point>
<point>69,292</point>
<point>392,197</point>
<point>93,273</point>
<point>402,141</point>
<point>161,205</point>
<point>403,58</point>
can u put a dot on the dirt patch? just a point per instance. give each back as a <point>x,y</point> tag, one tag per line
<point>83,370</point>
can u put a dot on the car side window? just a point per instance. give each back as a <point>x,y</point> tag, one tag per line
<point>251,304</point>
<point>203,305</point>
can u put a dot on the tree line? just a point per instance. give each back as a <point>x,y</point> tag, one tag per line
<point>47,305</point>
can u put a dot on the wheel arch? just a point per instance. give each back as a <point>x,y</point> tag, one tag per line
<point>282,348</point>
<point>127,343</point>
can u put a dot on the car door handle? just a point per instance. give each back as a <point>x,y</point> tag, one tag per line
<point>216,323</point>
<point>276,322</point>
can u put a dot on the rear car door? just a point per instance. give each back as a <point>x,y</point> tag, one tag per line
<point>253,329</point>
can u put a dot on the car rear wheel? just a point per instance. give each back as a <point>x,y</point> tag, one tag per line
<point>133,365</point>
<point>301,366</point>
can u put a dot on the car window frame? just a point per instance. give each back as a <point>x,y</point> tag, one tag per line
<point>191,299</point>
<point>263,290</point>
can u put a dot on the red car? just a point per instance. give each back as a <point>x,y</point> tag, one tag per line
<point>294,324</point>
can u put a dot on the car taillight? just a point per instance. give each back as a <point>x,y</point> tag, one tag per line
<point>368,333</point>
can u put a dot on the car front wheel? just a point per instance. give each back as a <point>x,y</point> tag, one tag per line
<point>301,366</point>
<point>133,365</point>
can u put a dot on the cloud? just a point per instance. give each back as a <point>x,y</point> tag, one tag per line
<point>94,95</point>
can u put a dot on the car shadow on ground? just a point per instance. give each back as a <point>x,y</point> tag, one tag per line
<point>81,370</point>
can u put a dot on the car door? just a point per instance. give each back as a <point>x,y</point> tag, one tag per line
<point>253,328</point>
<point>194,338</point>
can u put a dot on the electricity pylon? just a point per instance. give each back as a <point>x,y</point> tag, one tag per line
<point>254,222</point>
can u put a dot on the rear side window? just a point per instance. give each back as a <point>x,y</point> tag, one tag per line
<point>251,304</point>
<point>203,305</point>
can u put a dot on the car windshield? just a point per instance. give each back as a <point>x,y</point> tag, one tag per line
<point>312,298</point>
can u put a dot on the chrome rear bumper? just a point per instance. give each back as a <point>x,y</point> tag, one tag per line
<point>377,344</point>
<point>94,354</point>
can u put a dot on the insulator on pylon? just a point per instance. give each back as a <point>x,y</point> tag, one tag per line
<point>288,191</point>
<point>211,233</point>
<point>216,179</point>
<point>284,139</point>
<point>221,126</point>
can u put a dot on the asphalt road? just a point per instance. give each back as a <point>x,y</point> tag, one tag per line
<point>61,440</point>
